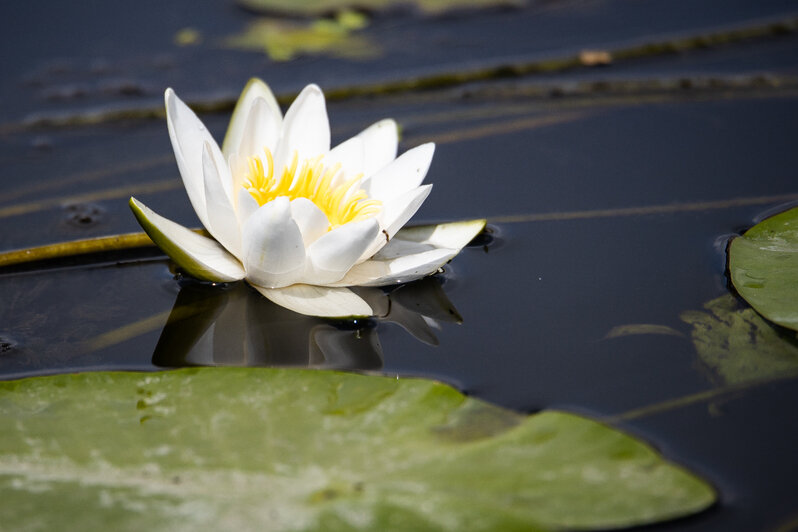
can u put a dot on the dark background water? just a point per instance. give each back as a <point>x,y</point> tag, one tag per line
<point>610,192</point>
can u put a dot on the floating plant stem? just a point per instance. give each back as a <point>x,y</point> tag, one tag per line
<point>439,80</point>
<point>78,247</point>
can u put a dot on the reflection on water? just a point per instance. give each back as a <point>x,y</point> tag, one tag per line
<point>235,326</point>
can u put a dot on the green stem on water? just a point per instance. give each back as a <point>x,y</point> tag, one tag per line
<point>78,247</point>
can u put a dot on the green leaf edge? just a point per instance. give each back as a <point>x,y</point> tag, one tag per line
<point>758,233</point>
<point>707,498</point>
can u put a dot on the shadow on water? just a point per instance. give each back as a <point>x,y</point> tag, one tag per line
<point>235,326</point>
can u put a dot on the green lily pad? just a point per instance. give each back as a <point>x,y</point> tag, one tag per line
<point>283,40</point>
<point>256,449</point>
<point>737,345</point>
<point>763,264</point>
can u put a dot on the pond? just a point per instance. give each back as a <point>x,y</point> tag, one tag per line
<point>611,183</point>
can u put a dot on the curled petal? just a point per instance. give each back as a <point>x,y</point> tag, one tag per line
<point>200,256</point>
<point>254,89</point>
<point>273,251</point>
<point>318,300</point>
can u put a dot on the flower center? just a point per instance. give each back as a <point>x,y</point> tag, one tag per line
<point>342,203</point>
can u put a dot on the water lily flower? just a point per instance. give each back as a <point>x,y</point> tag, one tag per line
<point>300,222</point>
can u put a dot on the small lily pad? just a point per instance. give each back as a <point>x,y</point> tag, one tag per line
<point>283,40</point>
<point>251,449</point>
<point>763,264</point>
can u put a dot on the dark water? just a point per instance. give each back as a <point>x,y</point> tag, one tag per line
<point>609,205</point>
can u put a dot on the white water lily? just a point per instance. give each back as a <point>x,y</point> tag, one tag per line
<point>297,220</point>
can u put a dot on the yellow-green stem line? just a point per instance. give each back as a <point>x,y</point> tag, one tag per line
<point>496,128</point>
<point>644,210</point>
<point>700,397</point>
<point>79,247</point>
<point>127,332</point>
<point>111,193</point>
<point>139,327</point>
<point>76,247</point>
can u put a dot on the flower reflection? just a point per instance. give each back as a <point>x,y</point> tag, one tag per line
<point>234,326</point>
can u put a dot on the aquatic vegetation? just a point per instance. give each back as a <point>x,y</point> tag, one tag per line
<point>283,40</point>
<point>255,448</point>
<point>763,266</point>
<point>738,346</point>
<point>297,220</point>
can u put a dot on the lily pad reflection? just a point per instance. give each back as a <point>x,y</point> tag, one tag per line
<point>238,327</point>
<point>737,345</point>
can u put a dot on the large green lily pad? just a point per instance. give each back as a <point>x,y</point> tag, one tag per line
<point>763,264</point>
<point>269,449</point>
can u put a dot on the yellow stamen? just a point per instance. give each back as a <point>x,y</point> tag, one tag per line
<point>341,204</point>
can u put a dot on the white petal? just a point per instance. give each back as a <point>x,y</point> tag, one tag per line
<point>223,223</point>
<point>332,255</point>
<point>318,300</point>
<point>350,154</point>
<point>306,128</point>
<point>394,214</point>
<point>262,130</point>
<point>200,256</point>
<point>335,252</point>
<point>397,211</point>
<point>274,254</point>
<point>247,205</point>
<point>399,270</point>
<point>381,141</point>
<point>402,175</point>
<point>254,89</point>
<point>413,253</point>
<point>311,221</point>
<point>411,240</point>
<point>188,135</point>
